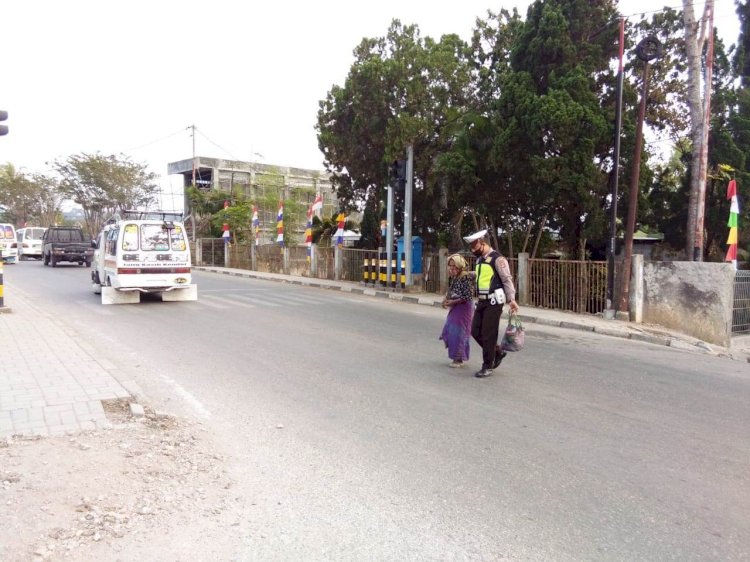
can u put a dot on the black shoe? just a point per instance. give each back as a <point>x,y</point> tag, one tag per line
<point>484,373</point>
<point>499,356</point>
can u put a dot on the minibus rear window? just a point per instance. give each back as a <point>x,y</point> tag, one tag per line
<point>154,238</point>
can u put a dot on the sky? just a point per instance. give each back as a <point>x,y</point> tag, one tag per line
<point>133,77</point>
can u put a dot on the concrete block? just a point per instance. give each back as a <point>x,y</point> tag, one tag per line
<point>137,410</point>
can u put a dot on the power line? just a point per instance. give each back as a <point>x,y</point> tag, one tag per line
<point>216,145</point>
<point>155,141</point>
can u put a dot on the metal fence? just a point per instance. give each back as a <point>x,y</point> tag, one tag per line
<point>741,308</point>
<point>433,275</point>
<point>579,286</point>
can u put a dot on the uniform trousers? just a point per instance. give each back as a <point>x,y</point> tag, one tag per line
<point>484,329</point>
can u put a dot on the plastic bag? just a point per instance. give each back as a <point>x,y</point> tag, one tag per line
<point>514,336</point>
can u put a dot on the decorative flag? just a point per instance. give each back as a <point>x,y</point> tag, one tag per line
<point>308,233</point>
<point>280,225</point>
<point>734,213</point>
<point>226,235</point>
<point>341,219</point>
<point>318,203</point>
<point>256,225</point>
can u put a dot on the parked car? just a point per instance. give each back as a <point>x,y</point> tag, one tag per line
<point>30,242</point>
<point>66,243</point>
<point>8,244</point>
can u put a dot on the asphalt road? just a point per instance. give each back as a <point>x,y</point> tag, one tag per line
<point>355,441</point>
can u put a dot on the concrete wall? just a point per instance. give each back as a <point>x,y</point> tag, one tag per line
<point>695,298</point>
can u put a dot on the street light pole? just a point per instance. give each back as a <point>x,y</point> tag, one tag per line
<point>610,311</point>
<point>647,50</point>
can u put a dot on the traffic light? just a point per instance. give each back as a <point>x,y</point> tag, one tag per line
<point>3,128</point>
<point>397,174</point>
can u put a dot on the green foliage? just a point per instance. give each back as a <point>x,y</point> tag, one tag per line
<point>28,199</point>
<point>370,228</point>
<point>324,228</point>
<point>103,185</point>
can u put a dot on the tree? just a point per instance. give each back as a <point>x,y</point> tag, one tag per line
<point>103,185</point>
<point>464,171</point>
<point>555,130</point>
<point>28,199</point>
<point>696,33</point>
<point>400,90</point>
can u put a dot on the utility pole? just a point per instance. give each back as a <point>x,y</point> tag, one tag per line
<point>407,213</point>
<point>192,218</point>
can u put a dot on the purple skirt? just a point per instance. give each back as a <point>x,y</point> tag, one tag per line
<point>457,331</point>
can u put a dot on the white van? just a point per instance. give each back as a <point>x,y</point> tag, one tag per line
<point>30,242</point>
<point>8,243</point>
<point>143,252</point>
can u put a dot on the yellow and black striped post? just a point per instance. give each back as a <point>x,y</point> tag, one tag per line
<point>370,270</point>
<point>2,295</point>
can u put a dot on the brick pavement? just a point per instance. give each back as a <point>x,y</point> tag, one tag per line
<point>50,384</point>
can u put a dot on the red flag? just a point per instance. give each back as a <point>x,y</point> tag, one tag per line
<point>731,189</point>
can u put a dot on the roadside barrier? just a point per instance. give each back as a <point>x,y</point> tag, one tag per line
<point>2,297</point>
<point>375,270</point>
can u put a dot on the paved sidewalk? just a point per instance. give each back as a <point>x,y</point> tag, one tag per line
<point>51,383</point>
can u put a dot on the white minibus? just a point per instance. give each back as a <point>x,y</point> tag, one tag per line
<point>30,242</point>
<point>143,252</point>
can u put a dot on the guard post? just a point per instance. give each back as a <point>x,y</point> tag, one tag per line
<point>2,293</point>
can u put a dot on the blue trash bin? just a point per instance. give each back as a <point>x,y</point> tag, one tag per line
<point>416,253</point>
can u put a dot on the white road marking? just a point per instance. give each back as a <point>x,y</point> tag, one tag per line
<point>189,398</point>
<point>231,302</point>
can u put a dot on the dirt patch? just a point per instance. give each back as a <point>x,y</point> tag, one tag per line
<point>95,495</point>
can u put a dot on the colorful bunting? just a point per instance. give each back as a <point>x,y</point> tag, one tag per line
<point>256,225</point>
<point>734,213</point>
<point>340,219</point>
<point>226,235</point>
<point>308,233</point>
<point>318,203</point>
<point>280,225</point>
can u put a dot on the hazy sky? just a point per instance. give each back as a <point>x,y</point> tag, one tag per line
<point>132,77</point>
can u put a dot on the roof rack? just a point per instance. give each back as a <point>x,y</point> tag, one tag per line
<point>151,215</point>
<point>133,214</point>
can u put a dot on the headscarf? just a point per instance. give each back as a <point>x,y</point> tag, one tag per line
<point>459,262</point>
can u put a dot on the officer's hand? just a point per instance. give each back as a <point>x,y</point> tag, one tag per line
<point>514,307</point>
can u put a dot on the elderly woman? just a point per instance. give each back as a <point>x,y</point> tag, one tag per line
<point>459,302</point>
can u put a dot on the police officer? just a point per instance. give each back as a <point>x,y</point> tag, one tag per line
<point>492,273</point>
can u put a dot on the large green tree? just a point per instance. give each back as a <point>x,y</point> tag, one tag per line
<point>401,90</point>
<point>104,184</point>
<point>28,199</point>
<point>555,131</point>
<point>464,169</point>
